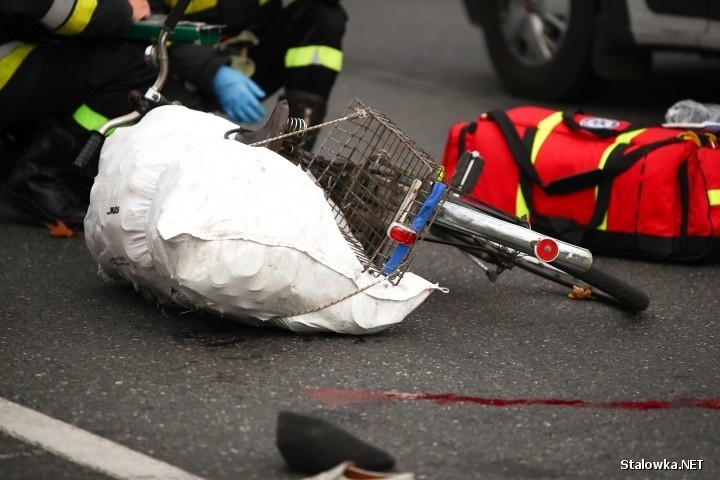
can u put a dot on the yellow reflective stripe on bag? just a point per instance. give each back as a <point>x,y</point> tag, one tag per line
<point>622,139</point>
<point>196,5</point>
<point>714,197</point>
<point>11,56</point>
<point>544,128</point>
<point>321,55</point>
<point>79,19</point>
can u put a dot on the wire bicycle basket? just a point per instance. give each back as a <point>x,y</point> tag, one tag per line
<point>383,189</point>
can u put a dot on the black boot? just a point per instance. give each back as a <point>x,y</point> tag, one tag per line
<point>43,182</point>
<point>310,107</point>
<point>10,150</point>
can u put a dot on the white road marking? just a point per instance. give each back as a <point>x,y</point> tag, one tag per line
<point>83,447</point>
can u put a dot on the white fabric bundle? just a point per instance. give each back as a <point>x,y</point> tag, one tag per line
<point>236,230</point>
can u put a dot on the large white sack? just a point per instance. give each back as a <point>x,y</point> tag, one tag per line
<point>131,162</point>
<point>236,230</point>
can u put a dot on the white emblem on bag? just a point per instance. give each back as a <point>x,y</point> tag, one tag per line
<point>598,122</point>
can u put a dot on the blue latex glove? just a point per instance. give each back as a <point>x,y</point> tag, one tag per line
<point>238,95</point>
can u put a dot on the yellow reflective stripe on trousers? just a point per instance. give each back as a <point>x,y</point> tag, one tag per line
<point>544,128</point>
<point>9,62</point>
<point>714,197</point>
<point>623,138</point>
<point>88,118</point>
<point>327,57</point>
<point>196,5</point>
<point>79,19</point>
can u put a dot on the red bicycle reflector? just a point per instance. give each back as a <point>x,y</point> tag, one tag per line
<point>402,234</point>
<point>546,250</point>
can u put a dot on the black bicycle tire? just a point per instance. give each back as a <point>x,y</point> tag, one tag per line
<point>610,287</point>
<point>613,288</point>
<point>622,292</point>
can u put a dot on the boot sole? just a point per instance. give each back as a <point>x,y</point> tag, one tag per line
<point>24,204</point>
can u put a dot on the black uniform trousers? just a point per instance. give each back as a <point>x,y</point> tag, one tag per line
<point>301,23</point>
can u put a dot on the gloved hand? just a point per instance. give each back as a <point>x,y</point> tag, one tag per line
<point>238,95</point>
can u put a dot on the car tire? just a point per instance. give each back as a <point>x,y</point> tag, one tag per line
<point>566,73</point>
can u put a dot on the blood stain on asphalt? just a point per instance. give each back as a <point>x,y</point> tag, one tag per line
<point>339,397</point>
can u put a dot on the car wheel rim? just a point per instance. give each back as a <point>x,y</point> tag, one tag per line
<point>534,30</point>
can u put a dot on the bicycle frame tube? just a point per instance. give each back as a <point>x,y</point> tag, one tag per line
<point>90,153</point>
<point>512,236</point>
<point>153,93</point>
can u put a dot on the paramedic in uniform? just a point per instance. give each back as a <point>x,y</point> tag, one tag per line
<point>268,46</point>
<point>63,71</point>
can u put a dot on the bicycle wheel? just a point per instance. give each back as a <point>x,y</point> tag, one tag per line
<point>602,284</point>
<point>475,232</point>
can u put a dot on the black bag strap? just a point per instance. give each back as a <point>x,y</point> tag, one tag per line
<point>464,131</point>
<point>518,149</point>
<point>526,183</point>
<point>617,161</point>
<point>621,161</point>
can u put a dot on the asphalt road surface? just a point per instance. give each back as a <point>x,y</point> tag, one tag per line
<point>501,381</point>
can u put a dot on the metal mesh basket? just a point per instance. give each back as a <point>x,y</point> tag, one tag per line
<point>374,175</point>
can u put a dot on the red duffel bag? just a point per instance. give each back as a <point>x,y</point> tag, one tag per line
<point>650,193</point>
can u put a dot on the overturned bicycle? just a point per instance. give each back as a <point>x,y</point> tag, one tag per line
<point>197,212</point>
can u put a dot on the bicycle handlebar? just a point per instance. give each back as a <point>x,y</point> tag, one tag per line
<point>88,158</point>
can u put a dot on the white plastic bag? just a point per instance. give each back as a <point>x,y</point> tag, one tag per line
<point>690,111</point>
<point>236,230</point>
